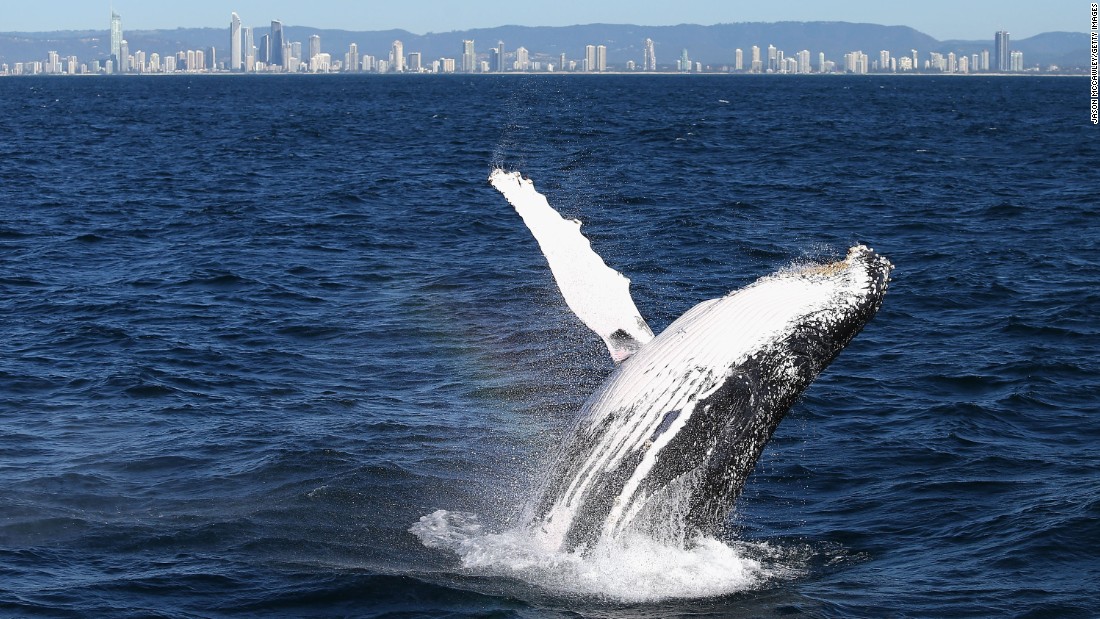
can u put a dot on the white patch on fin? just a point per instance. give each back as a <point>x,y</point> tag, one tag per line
<point>597,294</point>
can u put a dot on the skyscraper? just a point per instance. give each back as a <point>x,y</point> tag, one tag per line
<point>804,61</point>
<point>277,53</point>
<point>116,37</point>
<point>649,60</point>
<point>469,56</point>
<point>589,57</point>
<point>397,57</point>
<point>738,60</point>
<point>265,49</point>
<point>1001,54</point>
<point>235,43</point>
<point>352,63</point>
<point>1016,61</point>
<point>601,58</point>
<point>315,46</point>
<point>248,49</point>
<point>499,67</point>
<point>685,62</point>
<point>124,57</point>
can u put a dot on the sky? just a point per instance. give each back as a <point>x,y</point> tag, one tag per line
<point>942,19</point>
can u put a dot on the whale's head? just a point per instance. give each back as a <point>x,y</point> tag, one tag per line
<point>845,294</point>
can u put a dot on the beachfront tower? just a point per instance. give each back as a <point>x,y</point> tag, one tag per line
<point>116,37</point>
<point>469,56</point>
<point>235,58</point>
<point>1000,48</point>
<point>277,55</point>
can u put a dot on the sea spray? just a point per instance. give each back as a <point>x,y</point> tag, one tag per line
<point>633,568</point>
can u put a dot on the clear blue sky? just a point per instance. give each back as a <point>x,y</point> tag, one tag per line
<point>942,19</point>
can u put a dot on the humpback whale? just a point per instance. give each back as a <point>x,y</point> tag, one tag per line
<point>664,447</point>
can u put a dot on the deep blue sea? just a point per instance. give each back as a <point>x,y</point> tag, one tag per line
<point>253,329</point>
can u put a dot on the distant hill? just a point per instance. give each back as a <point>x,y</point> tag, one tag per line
<point>711,45</point>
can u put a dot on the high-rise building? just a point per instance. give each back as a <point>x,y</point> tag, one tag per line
<point>589,57</point>
<point>601,58</point>
<point>649,61</point>
<point>523,59</point>
<point>351,63</point>
<point>685,62</point>
<point>855,62</point>
<point>804,61</point>
<point>277,53</point>
<point>235,59</point>
<point>248,49</point>
<point>315,45</point>
<point>1016,61</point>
<point>124,57</point>
<point>397,57</point>
<point>772,57</point>
<point>821,62</point>
<point>738,60</point>
<point>984,61</point>
<point>561,62</point>
<point>414,64</point>
<point>264,54</point>
<point>116,37</point>
<point>469,56</point>
<point>499,66</point>
<point>757,67</point>
<point>1001,52</point>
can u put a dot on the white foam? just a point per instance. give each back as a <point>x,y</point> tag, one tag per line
<point>628,569</point>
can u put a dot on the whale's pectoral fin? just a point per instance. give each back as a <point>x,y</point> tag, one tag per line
<point>597,294</point>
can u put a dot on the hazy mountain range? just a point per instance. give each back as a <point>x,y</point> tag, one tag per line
<point>711,45</point>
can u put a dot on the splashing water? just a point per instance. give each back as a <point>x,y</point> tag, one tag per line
<point>632,568</point>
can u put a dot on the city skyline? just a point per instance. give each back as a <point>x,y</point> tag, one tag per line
<point>941,19</point>
<point>276,53</point>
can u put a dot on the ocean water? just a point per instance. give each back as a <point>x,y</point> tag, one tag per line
<point>272,346</point>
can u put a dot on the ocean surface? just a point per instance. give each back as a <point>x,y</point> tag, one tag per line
<point>259,335</point>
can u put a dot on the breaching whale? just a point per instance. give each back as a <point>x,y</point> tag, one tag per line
<point>664,446</point>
